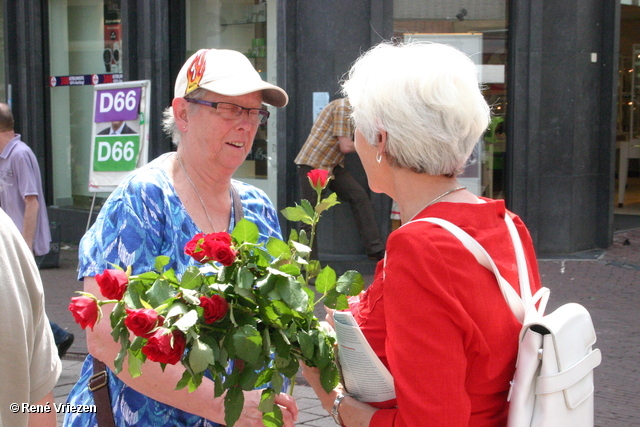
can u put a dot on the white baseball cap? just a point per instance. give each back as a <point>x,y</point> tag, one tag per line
<point>225,72</point>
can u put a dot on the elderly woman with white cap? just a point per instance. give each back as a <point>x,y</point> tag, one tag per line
<point>214,117</point>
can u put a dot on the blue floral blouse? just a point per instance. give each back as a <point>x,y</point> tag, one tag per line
<point>144,218</point>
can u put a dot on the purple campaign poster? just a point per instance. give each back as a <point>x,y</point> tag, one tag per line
<point>117,104</point>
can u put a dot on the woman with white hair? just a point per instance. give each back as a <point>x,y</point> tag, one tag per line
<point>434,316</point>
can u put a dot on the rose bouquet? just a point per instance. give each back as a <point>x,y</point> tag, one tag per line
<point>244,316</point>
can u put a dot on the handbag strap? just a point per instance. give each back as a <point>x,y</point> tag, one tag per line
<point>238,211</point>
<point>99,386</point>
<point>522,307</point>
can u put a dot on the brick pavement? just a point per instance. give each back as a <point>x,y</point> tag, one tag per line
<point>607,283</point>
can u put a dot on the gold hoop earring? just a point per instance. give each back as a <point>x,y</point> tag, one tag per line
<point>378,157</point>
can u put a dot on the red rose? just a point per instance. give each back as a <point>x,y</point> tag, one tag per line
<point>85,311</point>
<point>191,248</point>
<point>113,283</point>
<point>142,321</point>
<point>217,246</point>
<point>165,346</point>
<point>215,308</point>
<point>318,178</point>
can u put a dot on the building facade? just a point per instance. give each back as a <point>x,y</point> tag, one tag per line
<point>550,71</point>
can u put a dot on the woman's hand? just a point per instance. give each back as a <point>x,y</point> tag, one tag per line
<point>329,316</point>
<point>353,413</point>
<point>252,417</point>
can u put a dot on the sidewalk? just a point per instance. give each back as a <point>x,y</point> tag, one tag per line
<point>606,283</point>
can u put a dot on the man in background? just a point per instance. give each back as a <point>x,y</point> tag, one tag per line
<point>22,198</point>
<point>331,137</point>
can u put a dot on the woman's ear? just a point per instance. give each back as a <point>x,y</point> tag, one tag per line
<point>382,140</point>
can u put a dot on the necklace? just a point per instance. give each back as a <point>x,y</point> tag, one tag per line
<point>462,187</point>
<point>197,192</point>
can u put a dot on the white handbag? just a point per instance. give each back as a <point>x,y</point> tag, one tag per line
<point>553,381</point>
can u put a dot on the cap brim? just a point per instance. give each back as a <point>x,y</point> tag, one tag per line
<point>271,94</point>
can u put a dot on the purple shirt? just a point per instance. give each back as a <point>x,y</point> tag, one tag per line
<point>20,177</point>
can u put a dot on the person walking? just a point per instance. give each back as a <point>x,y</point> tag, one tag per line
<point>330,139</point>
<point>22,198</point>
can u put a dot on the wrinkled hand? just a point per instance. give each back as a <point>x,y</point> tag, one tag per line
<point>312,375</point>
<point>252,417</point>
<point>329,316</point>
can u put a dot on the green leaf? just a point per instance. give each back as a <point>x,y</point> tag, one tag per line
<point>306,344</point>
<point>245,278</point>
<point>276,381</point>
<point>313,268</point>
<point>159,292</point>
<point>246,231</point>
<point>186,377</point>
<point>308,209</point>
<point>350,283</point>
<point>326,280</point>
<point>295,214</point>
<point>267,398</point>
<point>248,378</point>
<point>247,344</point>
<point>178,308</point>
<point>325,204</point>
<point>290,269</point>
<point>264,377</point>
<point>233,403</point>
<point>161,262</point>
<point>302,249</point>
<point>293,235</point>
<point>304,239</point>
<point>136,344</point>
<point>191,296</point>
<point>187,321</point>
<point>132,294</point>
<point>278,249</point>
<point>120,359</point>
<point>291,292</point>
<point>273,418</point>
<point>192,278</point>
<point>200,356</point>
<point>281,343</point>
<point>135,364</point>
<point>329,377</point>
<point>336,301</point>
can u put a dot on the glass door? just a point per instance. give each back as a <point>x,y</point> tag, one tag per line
<point>84,46</point>
<point>249,27</point>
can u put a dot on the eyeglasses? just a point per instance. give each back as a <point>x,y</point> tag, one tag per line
<point>232,111</point>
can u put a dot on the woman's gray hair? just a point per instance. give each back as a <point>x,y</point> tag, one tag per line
<point>426,97</point>
<point>169,122</point>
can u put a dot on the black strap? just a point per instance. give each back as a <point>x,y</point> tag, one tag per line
<point>238,211</point>
<point>99,386</point>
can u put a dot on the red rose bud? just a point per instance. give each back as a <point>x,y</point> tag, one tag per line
<point>85,311</point>
<point>191,248</point>
<point>217,246</point>
<point>318,178</point>
<point>215,308</point>
<point>143,321</point>
<point>113,283</point>
<point>165,347</point>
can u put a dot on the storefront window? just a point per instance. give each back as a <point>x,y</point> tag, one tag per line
<point>247,26</point>
<point>84,45</point>
<point>480,30</point>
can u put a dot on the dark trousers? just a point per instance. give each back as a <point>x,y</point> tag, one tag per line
<point>350,190</point>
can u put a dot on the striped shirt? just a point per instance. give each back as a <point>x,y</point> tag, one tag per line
<point>322,150</point>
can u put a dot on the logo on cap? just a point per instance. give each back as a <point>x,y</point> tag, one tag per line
<point>196,71</point>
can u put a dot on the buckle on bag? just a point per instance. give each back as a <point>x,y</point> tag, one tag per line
<point>97,381</point>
